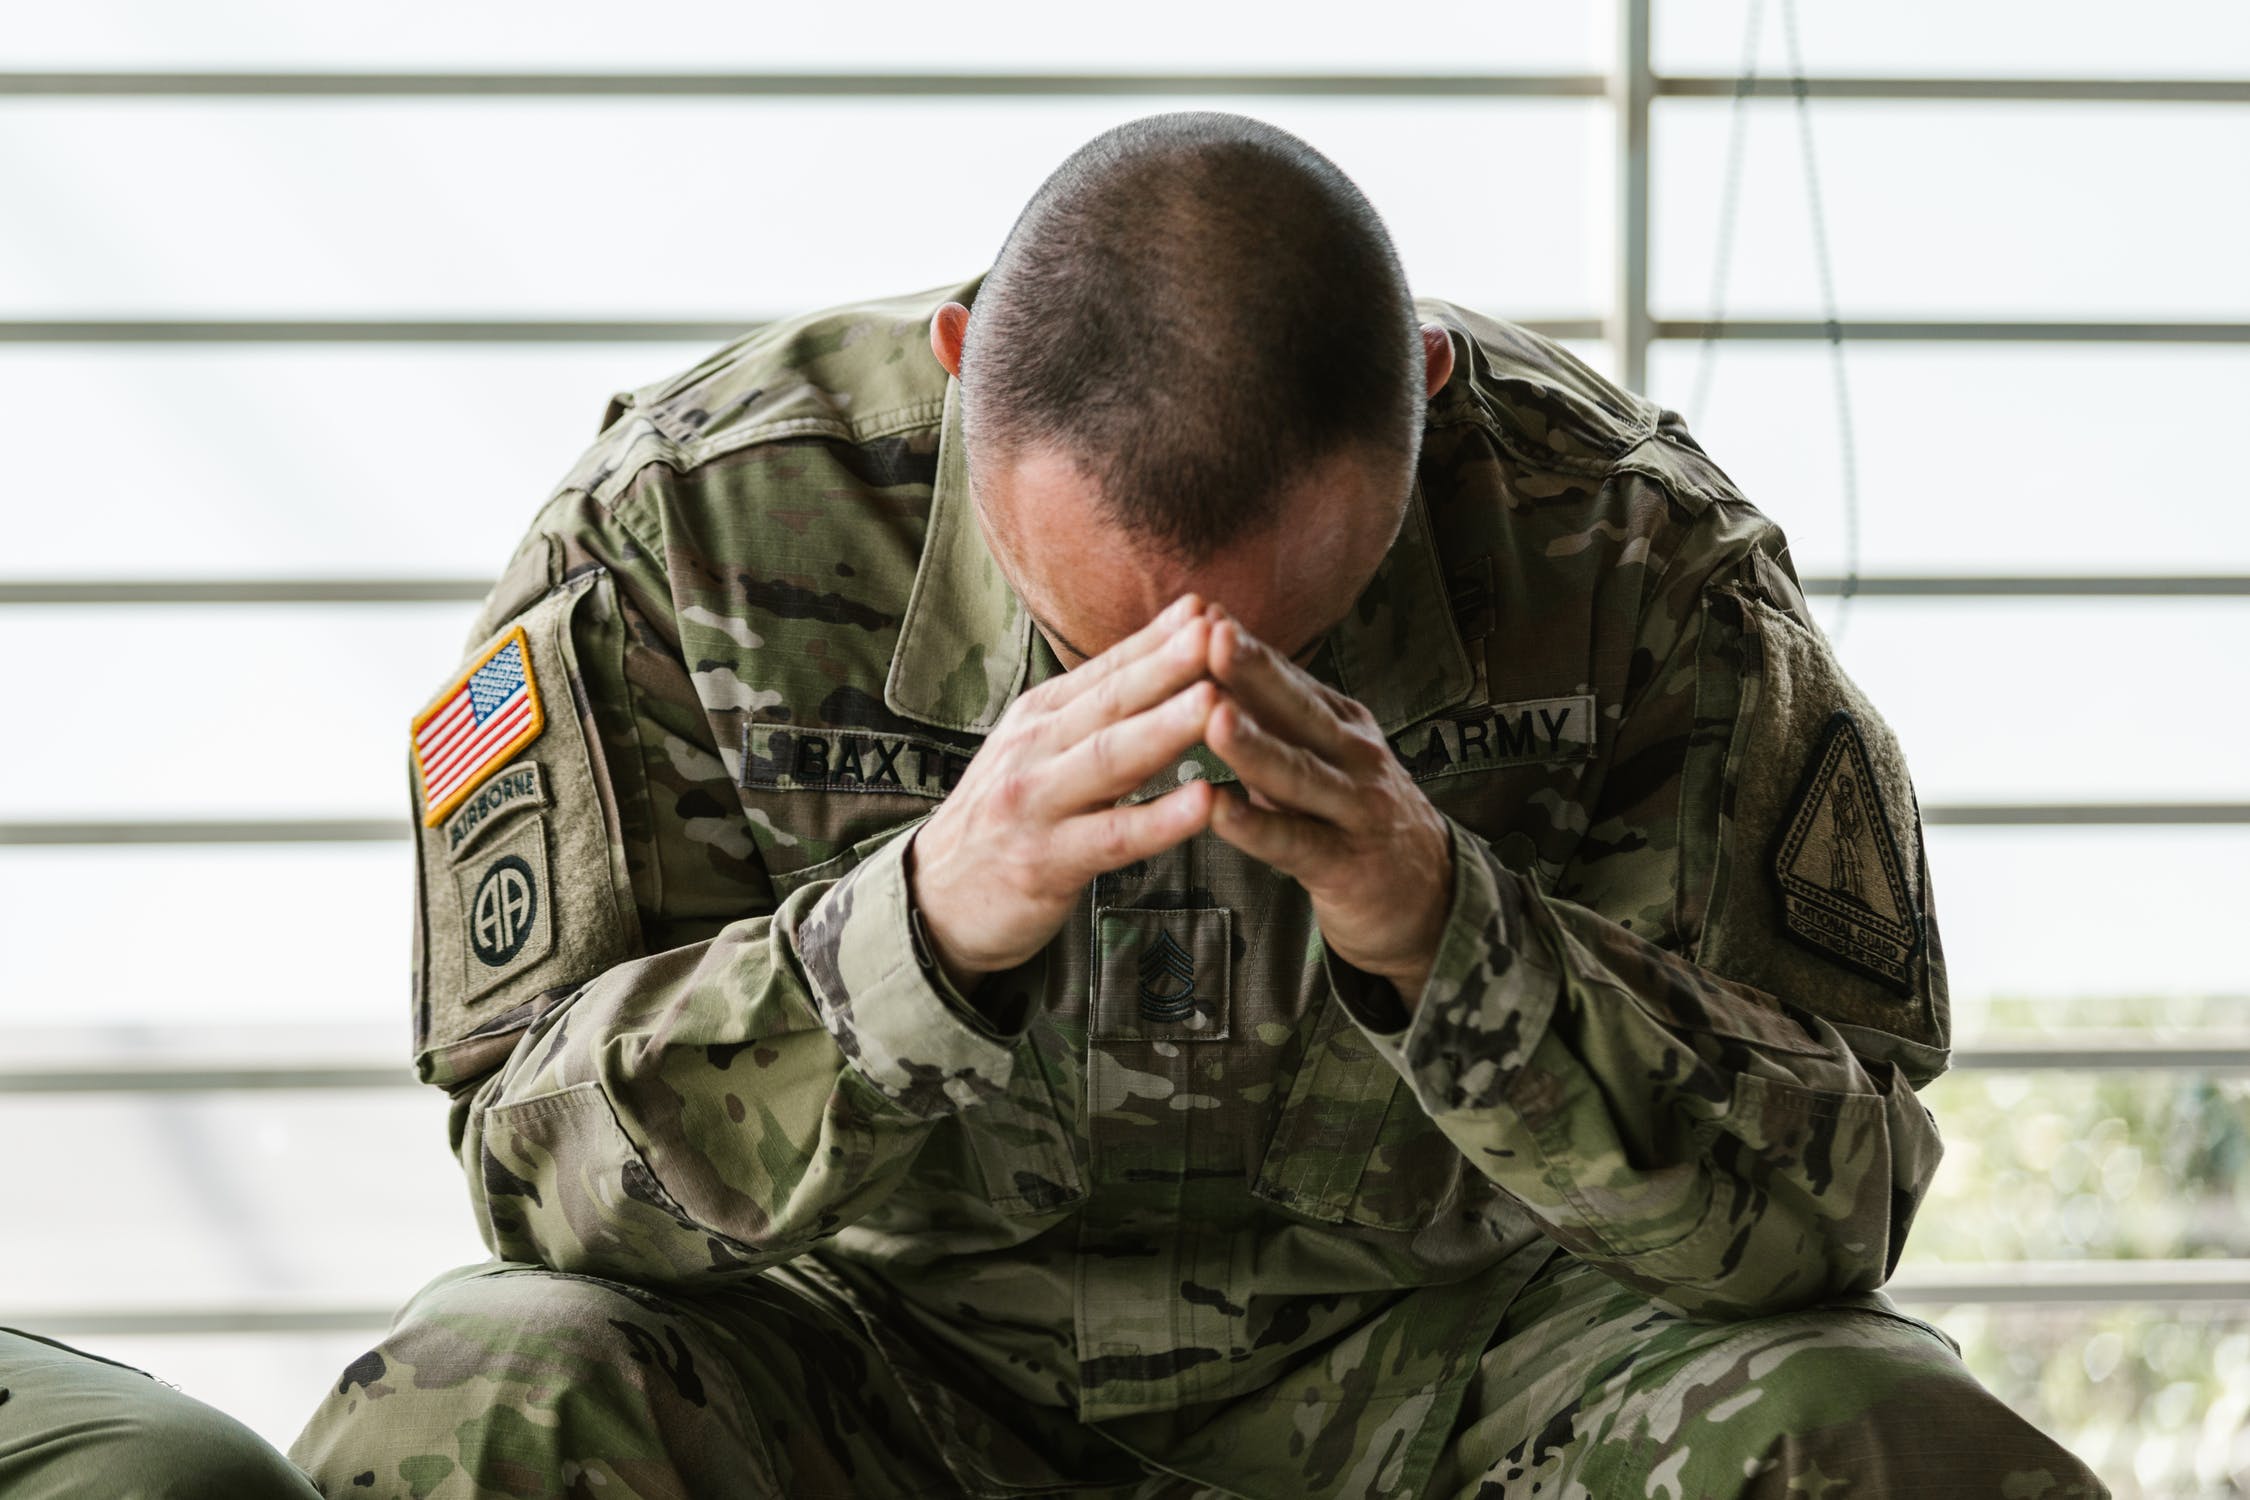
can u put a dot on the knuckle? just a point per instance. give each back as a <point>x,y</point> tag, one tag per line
<point>1105,752</point>
<point>1115,843</point>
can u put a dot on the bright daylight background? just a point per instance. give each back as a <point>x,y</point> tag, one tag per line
<point>216,1164</point>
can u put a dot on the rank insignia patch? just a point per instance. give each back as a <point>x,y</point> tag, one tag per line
<point>1167,974</point>
<point>488,715</point>
<point>1843,884</point>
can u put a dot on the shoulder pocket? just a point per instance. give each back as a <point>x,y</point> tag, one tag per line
<point>1817,879</point>
<point>521,886</point>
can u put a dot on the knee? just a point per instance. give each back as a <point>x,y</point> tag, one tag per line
<point>520,1371</point>
<point>167,1446</point>
<point>1890,1408</point>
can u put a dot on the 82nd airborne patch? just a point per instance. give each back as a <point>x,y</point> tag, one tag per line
<point>1843,883</point>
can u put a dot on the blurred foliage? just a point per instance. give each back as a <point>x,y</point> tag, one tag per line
<point>2104,1166</point>
<point>2128,1165</point>
<point>2156,1400</point>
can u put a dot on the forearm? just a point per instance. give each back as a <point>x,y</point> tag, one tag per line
<point>722,1106</point>
<point>1692,1136</point>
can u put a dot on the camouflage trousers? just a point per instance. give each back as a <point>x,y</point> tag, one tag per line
<point>513,1381</point>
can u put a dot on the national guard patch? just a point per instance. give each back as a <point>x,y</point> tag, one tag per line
<point>1843,883</point>
<point>489,714</point>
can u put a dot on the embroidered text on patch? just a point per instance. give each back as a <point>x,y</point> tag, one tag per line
<point>1843,886</point>
<point>470,732</point>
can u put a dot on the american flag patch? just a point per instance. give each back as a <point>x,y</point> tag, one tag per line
<point>484,718</point>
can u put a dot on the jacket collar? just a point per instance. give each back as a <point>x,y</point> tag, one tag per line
<point>967,647</point>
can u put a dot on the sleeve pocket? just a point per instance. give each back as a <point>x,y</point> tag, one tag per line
<point>521,892</point>
<point>1818,889</point>
<point>565,1187</point>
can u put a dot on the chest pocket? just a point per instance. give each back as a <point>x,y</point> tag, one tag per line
<point>1351,1145</point>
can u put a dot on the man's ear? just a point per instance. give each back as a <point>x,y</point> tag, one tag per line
<point>1437,352</point>
<point>951,325</point>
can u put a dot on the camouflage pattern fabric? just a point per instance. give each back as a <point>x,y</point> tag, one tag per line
<point>516,1380</point>
<point>1590,1390</point>
<point>1185,1160</point>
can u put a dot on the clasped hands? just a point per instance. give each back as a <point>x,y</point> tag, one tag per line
<point>999,866</point>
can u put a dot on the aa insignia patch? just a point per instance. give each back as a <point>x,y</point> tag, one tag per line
<point>1843,884</point>
<point>488,715</point>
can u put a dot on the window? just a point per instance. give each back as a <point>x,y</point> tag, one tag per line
<point>269,261</point>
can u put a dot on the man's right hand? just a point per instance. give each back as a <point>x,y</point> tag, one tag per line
<point>998,868</point>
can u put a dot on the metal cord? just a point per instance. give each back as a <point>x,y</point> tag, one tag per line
<point>1730,204</point>
<point>1847,449</point>
<point>1730,200</point>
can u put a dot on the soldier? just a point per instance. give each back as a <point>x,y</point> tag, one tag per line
<point>1221,889</point>
<point>75,1426</point>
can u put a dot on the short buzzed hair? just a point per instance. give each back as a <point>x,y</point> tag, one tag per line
<point>1196,308</point>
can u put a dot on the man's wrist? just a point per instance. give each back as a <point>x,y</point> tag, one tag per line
<point>926,951</point>
<point>942,976</point>
<point>1412,980</point>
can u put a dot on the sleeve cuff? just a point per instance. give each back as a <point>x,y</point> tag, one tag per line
<point>910,1042</point>
<point>1488,997</point>
<point>1371,1001</point>
<point>1008,1027</point>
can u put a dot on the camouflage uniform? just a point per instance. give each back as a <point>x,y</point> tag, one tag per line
<point>1185,1205</point>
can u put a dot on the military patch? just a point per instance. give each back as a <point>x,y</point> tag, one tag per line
<point>507,908</point>
<point>1167,980</point>
<point>1506,734</point>
<point>1161,974</point>
<point>517,788</point>
<point>488,714</point>
<point>1842,880</point>
<point>792,758</point>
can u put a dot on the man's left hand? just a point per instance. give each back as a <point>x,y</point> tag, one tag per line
<point>1331,807</point>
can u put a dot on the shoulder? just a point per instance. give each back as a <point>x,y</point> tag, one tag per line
<point>859,374</point>
<point>1589,474</point>
<point>688,460</point>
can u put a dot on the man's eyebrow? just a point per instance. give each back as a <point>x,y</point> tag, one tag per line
<point>1060,639</point>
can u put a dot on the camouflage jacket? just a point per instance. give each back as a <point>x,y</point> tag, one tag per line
<point>1688,984</point>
